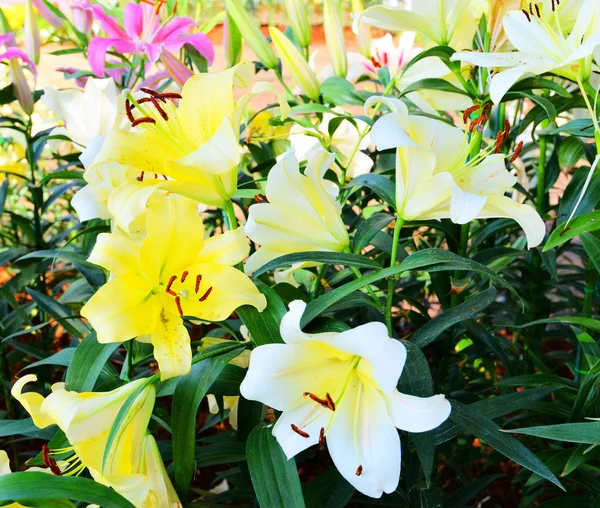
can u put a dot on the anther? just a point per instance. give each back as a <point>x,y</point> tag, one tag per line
<point>299,431</point>
<point>477,121</point>
<point>499,141</point>
<point>178,303</point>
<point>537,10</point>
<point>526,15</point>
<point>375,63</point>
<point>470,110</point>
<point>49,461</point>
<point>144,119</point>
<point>169,95</point>
<point>506,129</point>
<point>517,152</point>
<point>141,177</point>
<point>184,276</point>
<point>261,198</point>
<point>160,110</point>
<point>270,417</point>
<point>165,177</point>
<point>318,400</point>
<point>553,6</point>
<point>530,9</point>
<point>322,436</point>
<point>153,93</point>
<point>198,282</point>
<point>168,288</point>
<point>205,295</point>
<point>128,111</point>
<point>359,470</point>
<point>330,403</point>
<point>486,109</point>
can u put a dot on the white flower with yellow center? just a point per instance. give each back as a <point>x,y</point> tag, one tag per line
<point>341,387</point>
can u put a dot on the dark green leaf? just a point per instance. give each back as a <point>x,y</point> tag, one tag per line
<point>368,229</point>
<point>579,225</point>
<point>86,365</point>
<point>379,184</point>
<point>61,313</point>
<point>264,326</point>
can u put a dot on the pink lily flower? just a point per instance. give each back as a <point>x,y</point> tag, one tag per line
<point>143,33</point>
<point>10,51</point>
<point>15,58</point>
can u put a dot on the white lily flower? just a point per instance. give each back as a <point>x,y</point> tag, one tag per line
<point>90,113</point>
<point>445,22</point>
<point>301,213</point>
<point>436,179</point>
<point>546,40</point>
<point>342,387</point>
<point>343,142</point>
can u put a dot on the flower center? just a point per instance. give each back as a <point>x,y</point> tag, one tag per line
<point>185,293</point>
<point>74,467</point>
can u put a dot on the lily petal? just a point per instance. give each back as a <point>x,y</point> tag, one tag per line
<point>417,414</point>
<point>172,349</point>
<point>31,401</point>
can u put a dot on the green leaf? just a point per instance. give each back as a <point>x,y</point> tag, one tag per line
<point>264,326</point>
<point>213,454</point>
<point>579,225</point>
<point>537,380</point>
<point>367,229</point>
<point>486,430</point>
<point>431,330</point>
<point>379,184</point>
<point>442,52</point>
<point>587,432</point>
<point>189,392</point>
<point>34,485</point>
<point>432,84</point>
<point>340,92</point>
<point>17,427</point>
<point>583,128</point>
<point>543,102</point>
<point>62,358</point>
<point>330,258</point>
<point>61,313</point>
<point>462,496</point>
<point>591,244</point>
<point>432,259</point>
<point>274,477</point>
<point>589,323</point>
<point>63,175</point>
<point>86,365</point>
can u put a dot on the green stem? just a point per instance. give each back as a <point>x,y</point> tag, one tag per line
<point>317,282</point>
<point>541,172</point>
<point>390,288</point>
<point>230,216</point>
<point>588,301</point>
<point>283,83</point>
<point>465,229</point>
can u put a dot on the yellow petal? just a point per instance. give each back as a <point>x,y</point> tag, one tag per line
<point>31,401</point>
<point>171,343</point>
<point>123,308</point>
<point>4,463</point>
<point>117,253</point>
<point>226,249</point>
<point>152,466</point>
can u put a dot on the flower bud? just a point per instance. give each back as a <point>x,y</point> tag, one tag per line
<point>334,35</point>
<point>363,31</point>
<point>20,86</point>
<point>298,20</point>
<point>82,16</point>
<point>252,34</point>
<point>179,72</point>
<point>232,42</point>
<point>295,62</point>
<point>32,33</point>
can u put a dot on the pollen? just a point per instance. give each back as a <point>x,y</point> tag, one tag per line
<point>169,284</point>
<point>299,431</point>
<point>205,295</point>
<point>318,400</point>
<point>198,282</point>
<point>359,470</point>
<point>178,303</point>
<point>322,436</point>
<point>526,15</point>
<point>143,119</point>
<point>330,403</point>
<point>470,110</point>
<point>477,121</point>
<point>184,276</point>
<point>517,152</point>
<point>49,461</point>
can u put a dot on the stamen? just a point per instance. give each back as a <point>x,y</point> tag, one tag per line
<point>168,288</point>
<point>470,110</point>
<point>537,10</point>
<point>198,281</point>
<point>299,431</point>
<point>153,93</point>
<point>477,121</point>
<point>160,110</point>
<point>330,403</point>
<point>165,177</point>
<point>49,461</point>
<point>318,400</point>
<point>553,6</point>
<point>178,303</point>
<point>526,15</point>
<point>205,295</point>
<point>486,109</point>
<point>322,436</point>
<point>261,198</point>
<point>375,63</point>
<point>506,129</point>
<point>530,9</point>
<point>144,119</point>
<point>128,111</point>
<point>184,276</point>
<point>359,470</point>
<point>170,95</point>
<point>141,177</point>
<point>517,152</point>
<point>270,417</point>
<point>499,141</point>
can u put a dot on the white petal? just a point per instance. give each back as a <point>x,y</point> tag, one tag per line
<point>389,132</point>
<point>363,434</point>
<point>91,150</point>
<point>465,206</point>
<point>88,204</point>
<point>309,418</point>
<point>417,414</point>
<point>290,328</point>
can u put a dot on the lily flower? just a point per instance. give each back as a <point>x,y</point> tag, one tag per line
<point>300,213</point>
<point>546,40</point>
<point>16,58</point>
<point>191,149</point>
<point>79,13</point>
<point>88,114</point>
<point>162,494</point>
<point>173,272</point>
<point>445,22</point>
<point>86,419</point>
<point>144,34</point>
<point>340,388</point>
<point>436,178</point>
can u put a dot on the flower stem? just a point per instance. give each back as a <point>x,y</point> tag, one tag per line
<point>588,301</point>
<point>390,288</point>
<point>230,215</point>
<point>317,282</point>
<point>465,229</point>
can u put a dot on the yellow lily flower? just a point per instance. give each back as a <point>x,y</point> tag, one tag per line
<point>301,213</point>
<point>86,419</point>
<point>342,388</point>
<point>172,272</point>
<point>546,40</point>
<point>436,179</point>
<point>12,159</point>
<point>162,494</point>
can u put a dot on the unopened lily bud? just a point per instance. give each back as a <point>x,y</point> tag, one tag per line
<point>251,33</point>
<point>32,33</point>
<point>295,62</point>
<point>20,86</point>
<point>363,31</point>
<point>298,20</point>
<point>82,16</point>
<point>179,72</point>
<point>334,35</point>
<point>232,42</point>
